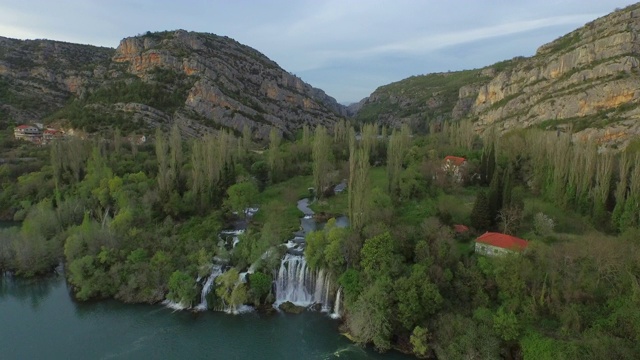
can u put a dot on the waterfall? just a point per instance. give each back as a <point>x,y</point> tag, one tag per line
<point>336,307</point>
<point>216,270</point>
<point>321,293</point>
<point>300,285</point>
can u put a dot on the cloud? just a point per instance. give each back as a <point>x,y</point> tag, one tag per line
<point>424,44</point>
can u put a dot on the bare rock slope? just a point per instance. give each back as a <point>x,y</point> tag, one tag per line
<point>201,81</point>
<point>588,79</point>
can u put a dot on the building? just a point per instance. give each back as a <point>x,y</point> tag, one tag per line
<point>453,167</point>
<point>27,132</point>
<point>51,134</point>
<point>493,244</point>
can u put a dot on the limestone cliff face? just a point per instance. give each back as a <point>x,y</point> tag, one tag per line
<point>201,81</point>
<point>234,85</point>
<point>37,77</point>
<point>588,78</point>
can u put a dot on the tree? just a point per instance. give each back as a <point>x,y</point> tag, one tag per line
<point>378,256</point>
<point>259,286</point>
<point>510,218</point>
<point>505,324</point>
<point>371,317</point>
<point>165,175</point>
<point>182,288</point>
<point>495,197</point>
<point>359,189</point>
<point>488,163</point>
<point>398,145</point>
<point>274,157</point>
<point>176,159</point>
<point>260,171</point>
<point>419,341</point>
<point>481,213</point>
<point>241,196</point>
<point>117,140</point>
<point>230,290</point>
<point>321,163</point>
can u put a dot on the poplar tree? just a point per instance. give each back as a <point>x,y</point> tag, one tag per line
<point>321,163</point>
<point>358,184</point>
<point>398,145</point>
<point>624,165</point>
<point>117,141</point>
<point>306,135</point>
<point>165,176</point>
<point>631,215</point>
<point>176,158</point>
<point>274,157</point>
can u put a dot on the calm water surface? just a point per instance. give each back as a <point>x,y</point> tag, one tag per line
<point>38,320</point>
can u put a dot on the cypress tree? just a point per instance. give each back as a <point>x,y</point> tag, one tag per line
<point>495,197</point>
<point>507,186</point>
<point>481,213</point>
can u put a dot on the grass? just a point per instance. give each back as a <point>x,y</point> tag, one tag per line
<point>281,199</point>
<point>414,212</point>
<point>335,205</point>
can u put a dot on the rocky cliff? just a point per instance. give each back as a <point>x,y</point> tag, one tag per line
<point>587,79</point>
<point>201,81</point>
<point>37,77</point>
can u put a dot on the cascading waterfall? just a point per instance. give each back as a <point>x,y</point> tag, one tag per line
<point>216,270</point>
<point>321,293</point>
<point>300,285</point>
<point>336,307</point>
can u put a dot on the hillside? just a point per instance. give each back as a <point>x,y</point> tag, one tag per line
<point>201,81</point>
<point>587,79</point>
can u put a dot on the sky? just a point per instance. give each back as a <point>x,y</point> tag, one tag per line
<point>348,48</point>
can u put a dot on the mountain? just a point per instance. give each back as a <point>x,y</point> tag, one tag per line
<point>587,79</point>
<point>200,81</point>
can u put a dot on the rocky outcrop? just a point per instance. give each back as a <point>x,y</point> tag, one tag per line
<point>38,77</point>
<point>588,78</point>
<point>236,85</point>
<point>202,81</point>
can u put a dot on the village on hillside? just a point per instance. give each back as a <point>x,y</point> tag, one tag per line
<point>42,135</point>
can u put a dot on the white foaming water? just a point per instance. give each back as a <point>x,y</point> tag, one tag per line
<point>336,308</point>
<point>300,285</point>
<point>216,270</point>
<point>174,305</point>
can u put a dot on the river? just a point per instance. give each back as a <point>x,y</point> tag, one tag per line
<point>39,320</point>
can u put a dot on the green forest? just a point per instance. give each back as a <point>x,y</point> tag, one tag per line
<point>140,223</point>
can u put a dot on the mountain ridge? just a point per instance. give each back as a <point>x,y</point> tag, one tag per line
<point>201,81</point>
<point>586,79</point>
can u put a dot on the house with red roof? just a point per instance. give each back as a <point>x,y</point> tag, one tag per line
<point>492,244</point>
<point>460,229</point>
<point>52,134</point>
<point>27,132</point>
<point>453,166</point>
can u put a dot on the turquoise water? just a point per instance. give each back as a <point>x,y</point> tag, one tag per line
<point>38,320</point>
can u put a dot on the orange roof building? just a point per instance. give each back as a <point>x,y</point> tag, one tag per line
<point>491,243</point>
<point>460,229</point>
<point>454,160</point>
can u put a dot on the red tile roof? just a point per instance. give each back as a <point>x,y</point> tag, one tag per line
<point>23,127</point>
<point>460,228</point>
<point>455,160</point>
<point>503,241</point>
